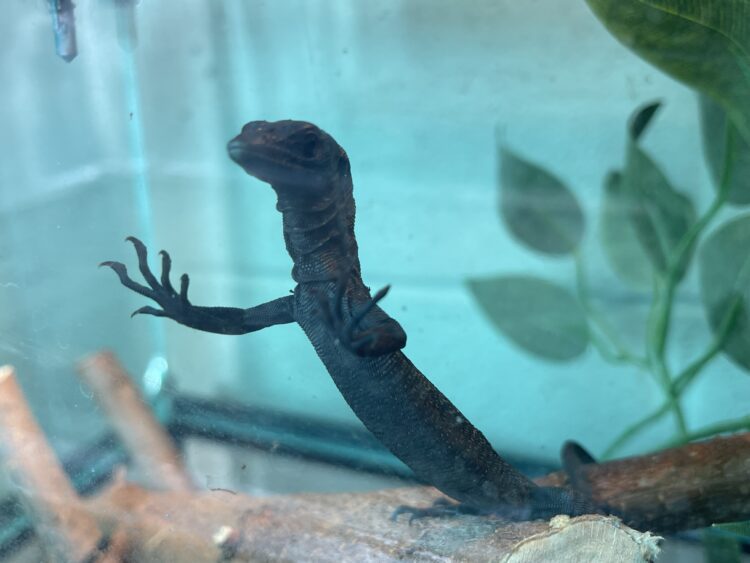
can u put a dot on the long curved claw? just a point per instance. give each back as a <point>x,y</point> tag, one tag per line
<point>148,311</point>
<point>403,509</point>
<point>356,319</point>
<point>338,298</point>
<point>142,252</point>
<point>122,273</point>
<point>173,305</point>
<point>382,338</point>
<point>166,267</point>
<point>184,283</point>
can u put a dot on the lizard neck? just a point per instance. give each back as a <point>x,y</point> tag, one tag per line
<point>319,231</point>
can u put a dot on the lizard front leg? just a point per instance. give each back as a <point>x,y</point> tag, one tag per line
<point>365,329</point>
<point>176,306</point>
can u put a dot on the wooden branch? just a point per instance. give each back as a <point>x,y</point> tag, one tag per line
<point>67,530</point>
<point>213,526</point>
<point>683,488</point>
<point>150,447</point>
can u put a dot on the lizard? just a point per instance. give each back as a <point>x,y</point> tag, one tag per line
<point>358,343</point>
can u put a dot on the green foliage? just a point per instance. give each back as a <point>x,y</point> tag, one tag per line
<point>660,215</point>
<point>537,207</point>
<point>622,247</point>
<point>541,317</point>
<point>648,232</point>
<point>725,284</point>
<point>648,229</point>
<point>703,43</point>
<point>714,125</point>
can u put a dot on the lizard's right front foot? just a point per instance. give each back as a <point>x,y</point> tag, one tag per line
<point>380,334</point>
<point>173,305</point>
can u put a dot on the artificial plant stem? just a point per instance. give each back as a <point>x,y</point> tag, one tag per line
<point>660,321</point>
<point>728,426</point>
<point>684,379</point>
<point>658,324</point>
<point>615,357</point>
<point>678,257</point>
<point>634,429</point>
<point>673,399</point>
<point>603,337</point>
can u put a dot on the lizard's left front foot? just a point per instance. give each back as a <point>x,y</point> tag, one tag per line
<point>382,337</point>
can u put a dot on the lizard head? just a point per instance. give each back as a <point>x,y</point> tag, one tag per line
<point>294,156</point>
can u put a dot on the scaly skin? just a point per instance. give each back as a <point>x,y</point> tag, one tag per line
<point>358,343</point>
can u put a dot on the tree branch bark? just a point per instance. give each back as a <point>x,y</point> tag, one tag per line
<point>148,444</point>
<point>211,526</point>
<point>688,487</point>
<point>66,529</point>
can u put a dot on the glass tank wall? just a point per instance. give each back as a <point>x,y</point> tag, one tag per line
<point>536,185</point>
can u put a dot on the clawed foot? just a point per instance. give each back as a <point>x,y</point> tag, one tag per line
<point>173,304</point>
<point>441,508</point>
<point>381,338</point>
<point>544,503</point>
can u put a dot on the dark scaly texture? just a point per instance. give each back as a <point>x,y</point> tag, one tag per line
<point>355,339</point>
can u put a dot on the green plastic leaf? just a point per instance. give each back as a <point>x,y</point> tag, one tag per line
<point>541,317</point>
<point>619,238</point>
<point>724,263</point>
<point>537,207</point>
<point>703,43</point>
<point>714,125</point>
<point>660,215</point>
<point>641,119</point>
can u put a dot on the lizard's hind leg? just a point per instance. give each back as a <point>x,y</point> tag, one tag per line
<point>441,508</point>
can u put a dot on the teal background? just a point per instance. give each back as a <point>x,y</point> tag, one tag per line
<point>418,92</point>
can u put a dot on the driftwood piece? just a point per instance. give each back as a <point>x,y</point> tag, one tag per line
<point>682,488</point>
<point>215,526</point>
<point>148,444</point>
<point>65,527</point>
<point>688,487</point>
